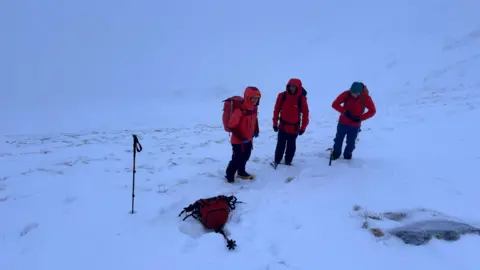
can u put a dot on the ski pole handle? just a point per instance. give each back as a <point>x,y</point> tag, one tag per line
<point>136,144</point>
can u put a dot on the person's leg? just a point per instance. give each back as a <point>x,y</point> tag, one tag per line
<point>247,151</point>
<point>234,163</point>
<point>291,148</point>
<point>352,134</point>
<point>280,148</point>
<point>338,141</point>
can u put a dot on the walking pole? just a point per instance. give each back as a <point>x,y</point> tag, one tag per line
<point>137,147</point>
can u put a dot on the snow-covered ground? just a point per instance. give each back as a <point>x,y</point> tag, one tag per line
<point>66,143</point>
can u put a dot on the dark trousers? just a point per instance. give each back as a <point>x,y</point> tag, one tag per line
<point>342,132</point>
<point>290,141</point>
<point>240,156</point>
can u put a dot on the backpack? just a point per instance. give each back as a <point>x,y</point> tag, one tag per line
<point>213,214</point>
<point>229,106</point>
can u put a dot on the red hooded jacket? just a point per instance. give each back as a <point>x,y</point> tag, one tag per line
<point>355,105</point>
<point>244,121</point>
<point>287,114</point>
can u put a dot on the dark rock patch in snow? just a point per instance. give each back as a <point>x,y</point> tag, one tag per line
<point>416,226</point>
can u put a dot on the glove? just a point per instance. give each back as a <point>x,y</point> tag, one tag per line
<point>301,132</point>
<point>275,128</point>
<point>255,135</point>
<point>348,114</point>
<point>356,119</point>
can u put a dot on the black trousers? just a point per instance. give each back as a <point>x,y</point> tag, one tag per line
<point>345,131</point>
<point>290,141</point>
<point>240,156</point>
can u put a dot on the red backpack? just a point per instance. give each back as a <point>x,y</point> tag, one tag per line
<point>213,214</point>
<point>229,106</point>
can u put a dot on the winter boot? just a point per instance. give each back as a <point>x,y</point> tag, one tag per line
<point>347,156</point>
<point>335,155</point>
<point>245,175</point>
<point>229,180</point>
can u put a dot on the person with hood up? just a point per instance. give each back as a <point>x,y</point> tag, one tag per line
<point>354,100</point>
<point>290,119</point>
<point>244,127</point>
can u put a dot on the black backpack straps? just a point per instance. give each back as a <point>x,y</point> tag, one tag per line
<point>304,94</point>
<point>232,200</point>
<point>362,101</point>
<point>284,97</point>
<point>299,104</point>
<point>193,210</point>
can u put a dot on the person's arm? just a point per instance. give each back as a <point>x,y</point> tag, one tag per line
<point>305,114</point>
<point>337,103</point>
<point>276,110</point>
<point>234,123</point>
<point>372,110</point>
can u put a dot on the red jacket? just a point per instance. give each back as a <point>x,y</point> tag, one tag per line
<point>244,121</point>
<point>287,114</point>
<point>355,105</point>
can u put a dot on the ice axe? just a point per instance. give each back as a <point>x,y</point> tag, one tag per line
<point>331,156</point>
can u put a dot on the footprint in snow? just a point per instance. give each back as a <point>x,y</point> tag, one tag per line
<point>28,228</point>
<point>69,200</point>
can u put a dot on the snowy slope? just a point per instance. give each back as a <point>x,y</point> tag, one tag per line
<point>65,153</point>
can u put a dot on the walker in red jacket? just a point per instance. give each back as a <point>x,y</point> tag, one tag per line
<point>291,112</point>
<point>355,101</point>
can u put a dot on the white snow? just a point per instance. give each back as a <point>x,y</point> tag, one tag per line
<point>78,79</point>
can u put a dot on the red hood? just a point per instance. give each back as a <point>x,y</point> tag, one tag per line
<point>250,91</point>
<point>296,82</point>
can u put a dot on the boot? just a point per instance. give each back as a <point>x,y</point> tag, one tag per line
<point>335,155</point>
<point>245,175</point>
<point>229,180</point>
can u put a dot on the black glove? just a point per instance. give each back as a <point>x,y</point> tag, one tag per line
<point>356,119</point>
<point>301,132</point>
<point>275,128</point>
<point>348,114</point>
<point>255,135</point>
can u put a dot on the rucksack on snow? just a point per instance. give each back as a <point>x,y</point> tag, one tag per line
<point>213,214</point>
